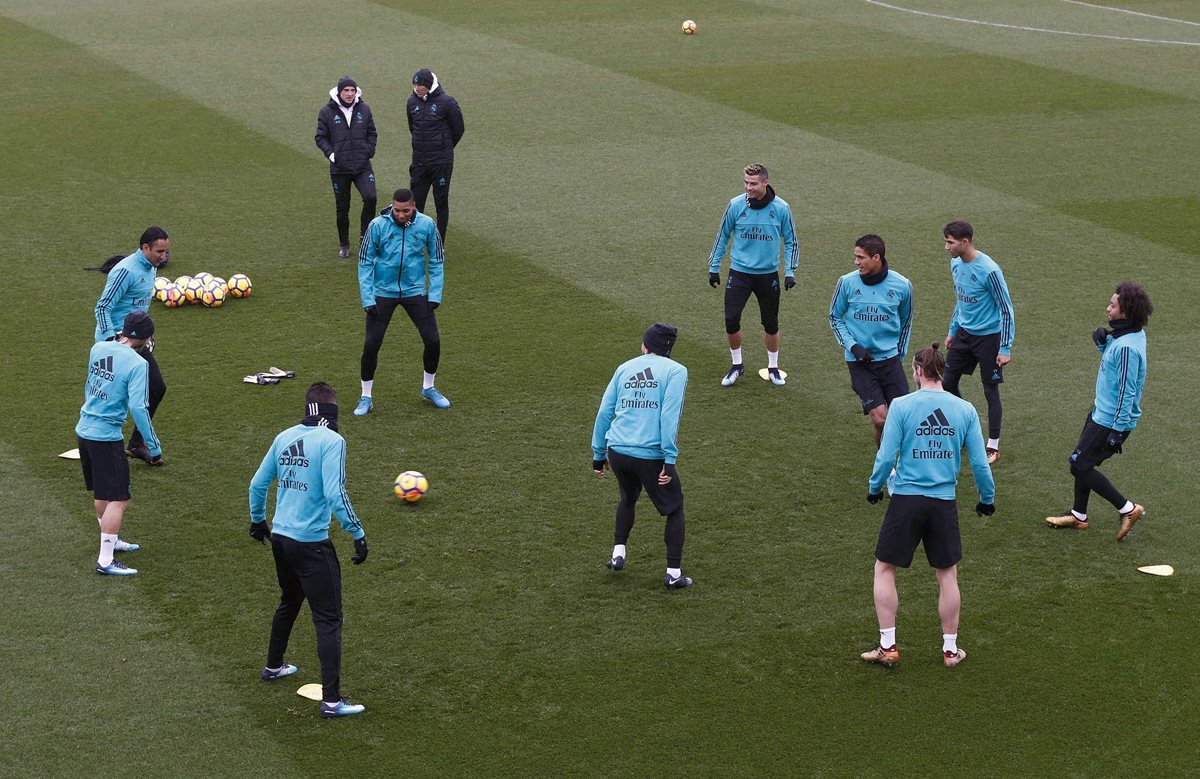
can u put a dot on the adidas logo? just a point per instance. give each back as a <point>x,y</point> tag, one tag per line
<point>857,293</point>
<point>294,455</point>
<point>103,368</point>
<point>642,380</point>
<point>936,424</point>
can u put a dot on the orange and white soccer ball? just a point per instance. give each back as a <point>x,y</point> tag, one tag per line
<point>411,486</point>
<point>160,287</point>
<point>239,285</point>
<point>213,295</point>
<point>689,27</point>
<point>172,296</point>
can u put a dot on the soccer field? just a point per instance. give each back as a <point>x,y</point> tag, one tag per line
<point>484,635</point>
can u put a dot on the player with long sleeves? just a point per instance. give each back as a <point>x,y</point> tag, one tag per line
<point>923,440</point>
<point>635,435</point>
<point>1115,411</point>
<point>758,224</point>
<point>871,317</point>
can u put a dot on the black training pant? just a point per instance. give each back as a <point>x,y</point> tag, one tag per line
<point>420,311</point>
<point>158,388</point>
<point>1090,452</point>
<point>365,183</point>
<point>309,570</point>
<point>633,474</point>
<point>421,178</point>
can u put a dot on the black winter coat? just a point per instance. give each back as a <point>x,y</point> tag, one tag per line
<point>436,125</point>
<point>352,146</point>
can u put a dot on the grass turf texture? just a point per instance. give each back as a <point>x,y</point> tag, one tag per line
<point>483,634</point>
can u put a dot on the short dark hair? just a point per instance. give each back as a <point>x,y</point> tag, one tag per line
<point>153,233</point>
<point>757,169</point>
<point>871,244</point>
<point>402,195</point>
<point>1135,303</point>
<point>320,392</point>
<point>931,362</point>
<point>958,230</point>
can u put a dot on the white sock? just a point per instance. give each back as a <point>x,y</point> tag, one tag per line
<point>1080,517</point>
<point>427,382</point>
<point>772,359</point>
<point>993,443</point>
<point>950,642</point>
<point>735,356</point>
<point>1128,507</point>
<point>366,388</point>
<point>674,573</point>
<point>107,542</point>
<point>619,550</point>
<point>887,637</point>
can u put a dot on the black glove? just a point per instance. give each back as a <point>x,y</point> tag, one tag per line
<point>598,465</point>
<point>371,310</point>
<point>861,354</point>
<point>260,532</point>
<point>788,282</point>
<point>985,509</point>
<point>157,461</point>
<point>874,497</point>
<point>434,304</point>
<point>1114,442</point>
<point>1100,336</point>
<point>714,280</point>
<point>360,551</point>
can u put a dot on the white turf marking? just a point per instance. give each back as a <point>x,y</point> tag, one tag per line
<point>1131,13</point>
<point>1031,29</point>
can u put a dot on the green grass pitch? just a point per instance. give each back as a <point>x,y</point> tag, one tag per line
<point>483,634</point>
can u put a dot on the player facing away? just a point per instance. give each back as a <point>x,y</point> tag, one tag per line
<point>401,248</point>
<point>871,316</point>
<point>117,386</point>
<point>635,434</point>
<point>982,325</point>
<point>923,439</point>
<point>308,461</point>
<point>1116,409</point>
<point>759,223</point>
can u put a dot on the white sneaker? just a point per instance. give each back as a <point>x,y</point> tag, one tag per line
<point>735,372</point>
<point>125,546</point>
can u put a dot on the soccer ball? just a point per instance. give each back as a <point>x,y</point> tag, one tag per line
<point>411,486</point>
<point>193,290</point>
<point>172,296</point>
<point>689,27</point>
<point>239,285</point>
<point>204,276</point>
<point>213,295</point>
<point>182,282</point>
<point>160,286</point>
<point>220,282</point>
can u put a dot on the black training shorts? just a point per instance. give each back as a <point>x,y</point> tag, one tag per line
<point>967,351</point>
<point>634,473</point>
<point>105,468</point>
<point>915,519</point>
<point>1092,448</point>
<point>739,287</point>
<point>879,382</point>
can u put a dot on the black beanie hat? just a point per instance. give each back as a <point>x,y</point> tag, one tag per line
<point>138,325</point>
<point>424,77</point>
<point>346,81</point>
<point>660,338</point>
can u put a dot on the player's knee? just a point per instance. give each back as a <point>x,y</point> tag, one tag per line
<point>771,326</point>
<point>1077,469</point>
<point>732,326</point>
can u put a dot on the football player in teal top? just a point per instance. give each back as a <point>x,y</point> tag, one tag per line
<point>635,434</point>
<point>982,326</point>
<point>923,439</point>
<point>871,317</point>
<point>1116,409</point>
<point>760,225</point>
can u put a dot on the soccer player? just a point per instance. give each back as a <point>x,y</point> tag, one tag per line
<point>116,387</point>
<point>402,245</point>
<point>1115,411</point>
<point>346,135</point>
<point>635,434</point>
<point>871,317</point>
<point>309,462</point>
<point>130,287</point>
<point>982,325</point>
<point>923,439</point>
<point>759,222</point>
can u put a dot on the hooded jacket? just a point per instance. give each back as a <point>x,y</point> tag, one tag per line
<point>436,124</point>
<point>352,143</point>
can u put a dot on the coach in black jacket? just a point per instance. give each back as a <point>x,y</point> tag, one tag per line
<point>346,135</point>
<point>436,124</point>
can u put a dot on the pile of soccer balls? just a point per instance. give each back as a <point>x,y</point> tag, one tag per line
<point>202,288</point>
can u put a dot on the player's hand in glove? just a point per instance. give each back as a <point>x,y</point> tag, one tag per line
<point>260,532</point>
<point>360,551</point>
<point>861,354</point>
<point>598,466</point>
<point>874,497</point>
<point>1114,442</point>
<point>714,280</point>
<point>668,474</point>
<point>371,309</point>
<point>788,282</point>
<point>985,509</point>
<point>1100,336</point>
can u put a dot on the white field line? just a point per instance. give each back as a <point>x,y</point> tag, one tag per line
<point>1131,13</point>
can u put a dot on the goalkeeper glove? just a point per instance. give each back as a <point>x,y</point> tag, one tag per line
<point>788,282</point>
<point>1114,442</point>
<point>1100,336</point>
<point>874,497</point>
